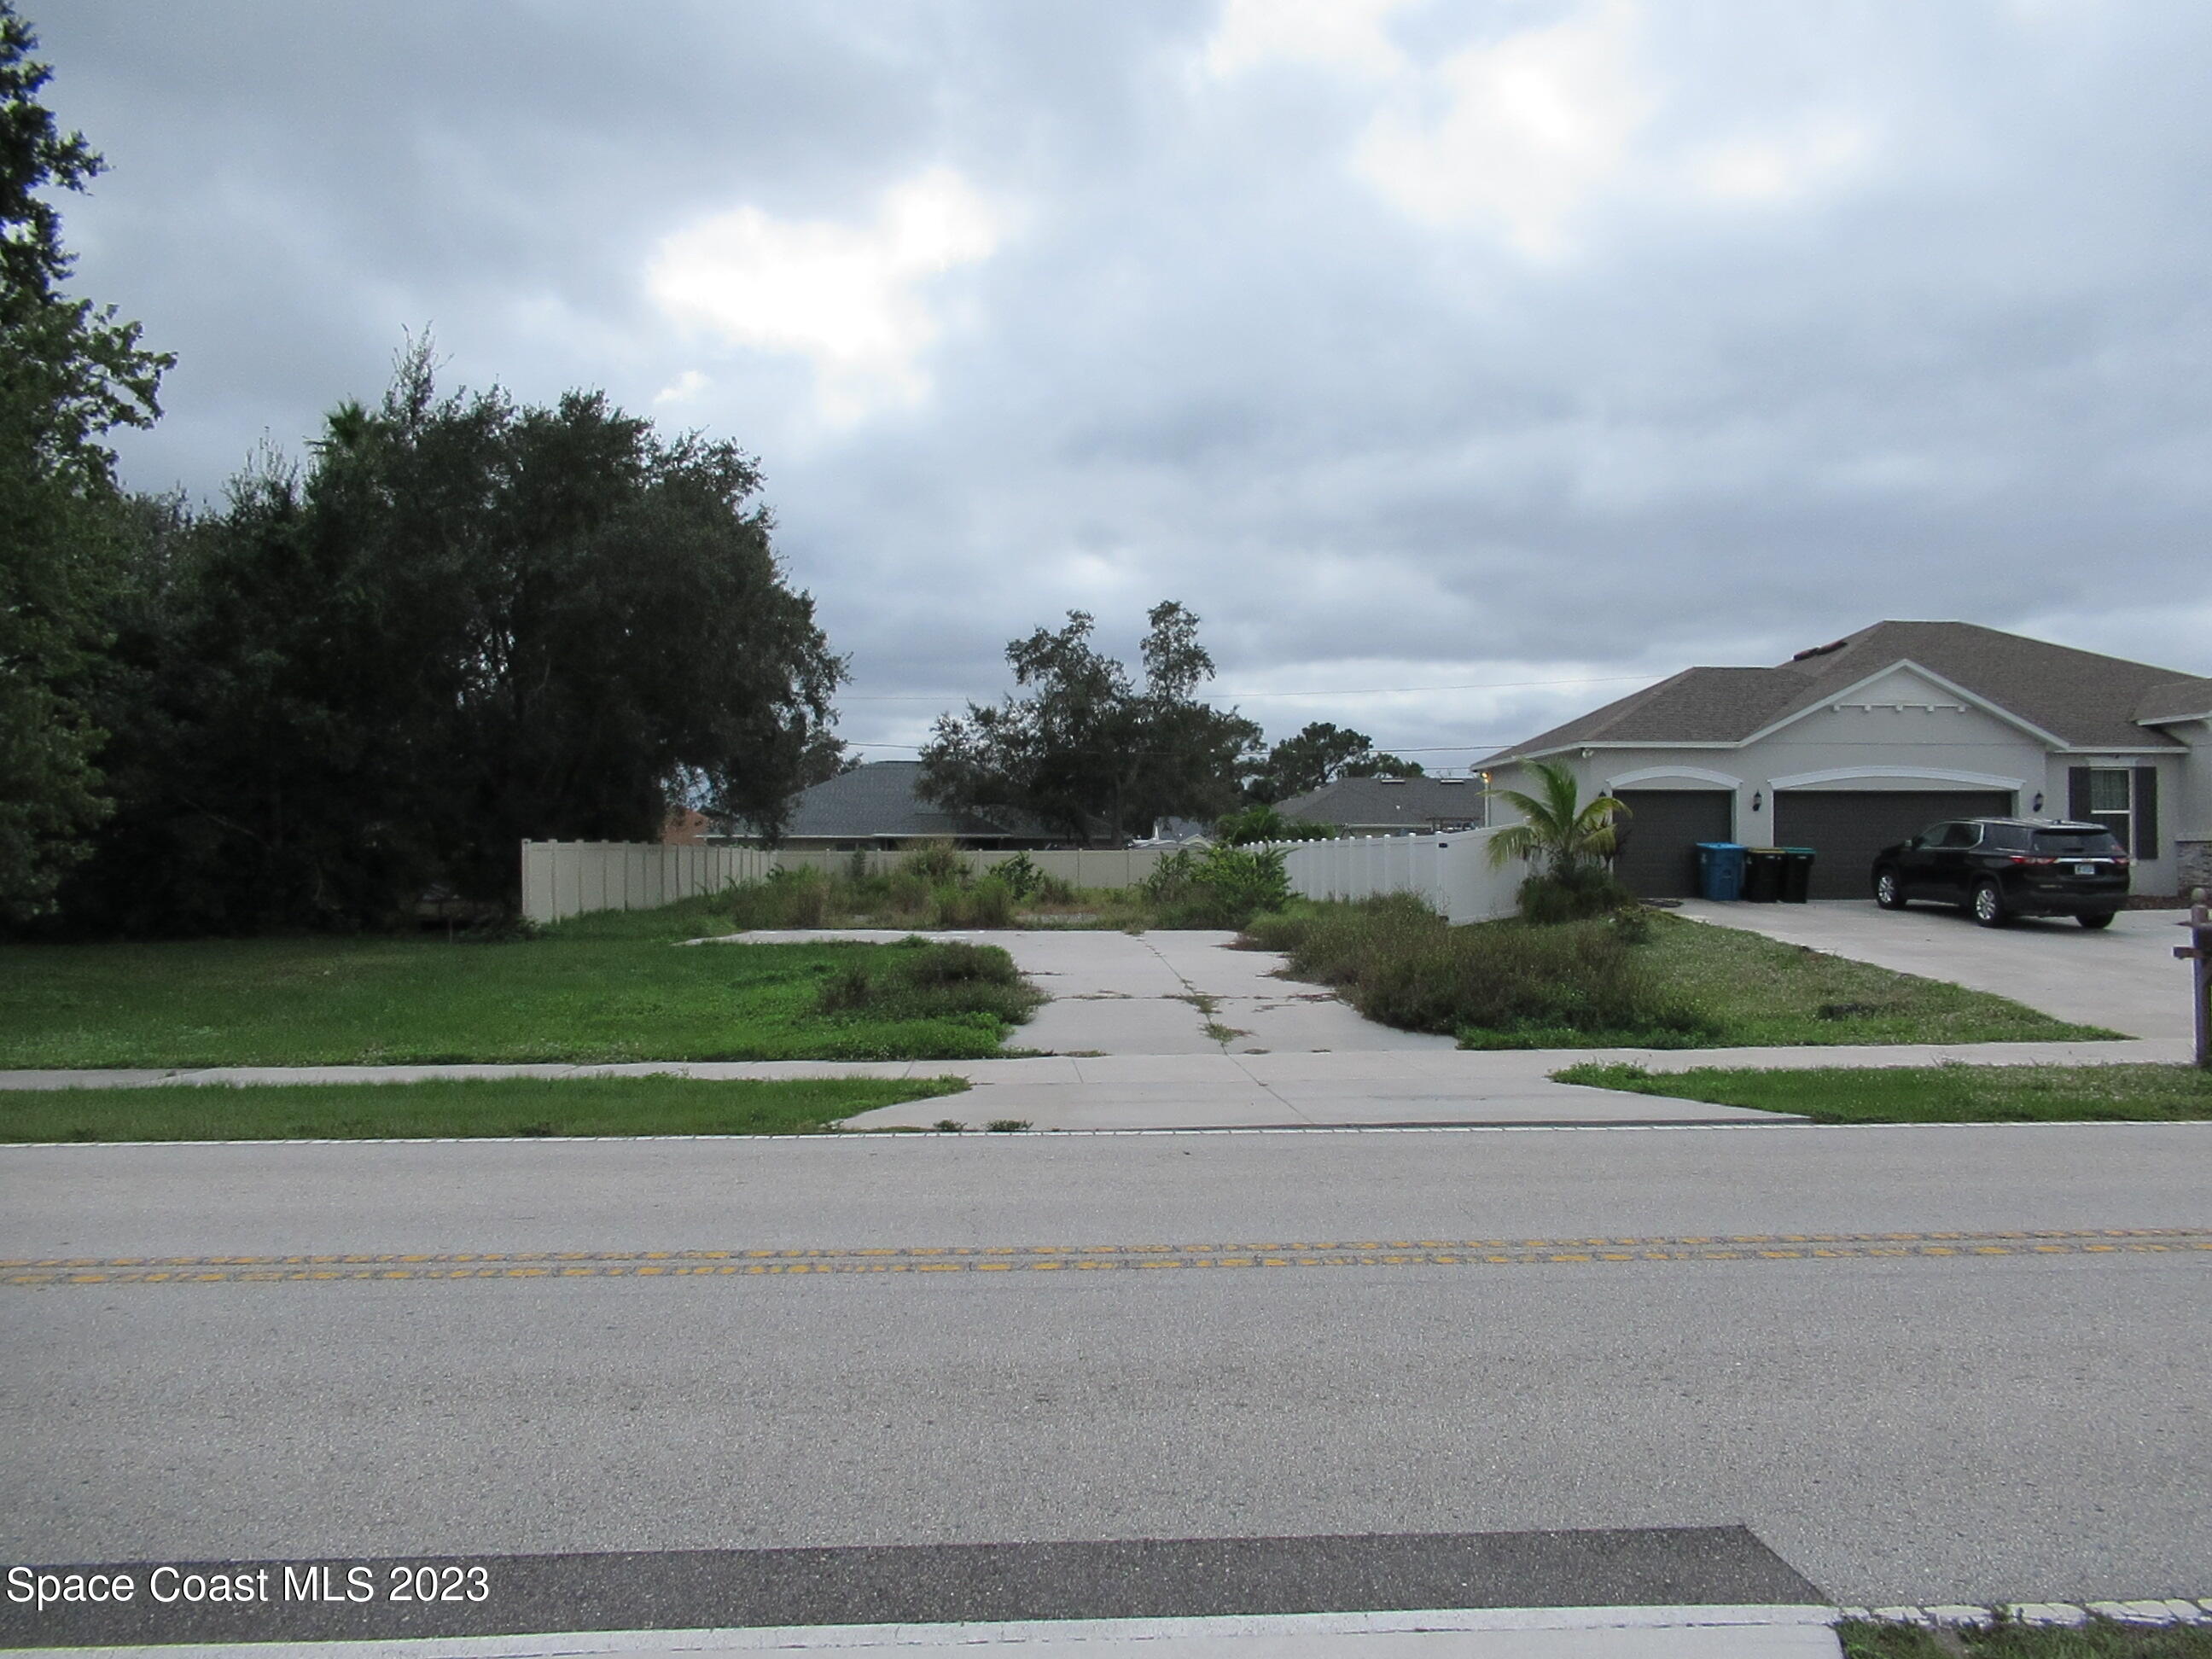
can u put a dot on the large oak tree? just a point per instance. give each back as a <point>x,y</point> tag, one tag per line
<point>1087,749</point>
<point>68,374</point>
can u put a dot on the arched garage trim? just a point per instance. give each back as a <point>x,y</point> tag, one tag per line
<point>1916,774</point>
<point>1698,773</point>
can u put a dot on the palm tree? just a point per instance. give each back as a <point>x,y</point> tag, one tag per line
<point>1569,834</point>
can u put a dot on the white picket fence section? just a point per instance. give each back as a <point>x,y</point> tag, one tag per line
<point>573,877</point>
<point>1451,870</point>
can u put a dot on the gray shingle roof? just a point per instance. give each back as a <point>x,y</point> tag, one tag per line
<point>1371,803</point>
<point>2177,699</point>
<point>2084,699</point>
<point>877,799</point>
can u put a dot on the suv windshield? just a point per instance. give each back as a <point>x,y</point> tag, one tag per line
<point>2076,844</point>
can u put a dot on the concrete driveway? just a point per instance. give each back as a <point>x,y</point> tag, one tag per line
<point>2124,978</point>
<point>1165,993</point>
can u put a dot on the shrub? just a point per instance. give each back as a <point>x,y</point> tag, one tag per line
<point>1573,893</point>
<point>935,862</point>
<point>1398,962</point>
<point>795,897</point>
<point>1222,887</point>
<point>923,979</point>
<point>1020,875</point>
<point>988,903</point>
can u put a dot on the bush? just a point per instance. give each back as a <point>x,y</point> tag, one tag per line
<point>935,862</point>
<point>796,897</point>
<point>1222,887</point>
<point>932,981</point>
<point>988,903</point>
<point>1020,874</point>
<point>1398,962</point>
<point>1573,895</point>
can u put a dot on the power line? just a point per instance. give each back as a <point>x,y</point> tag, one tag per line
<point>1351,691</point>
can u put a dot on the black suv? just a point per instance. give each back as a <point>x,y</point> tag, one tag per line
<point>2000,868</point>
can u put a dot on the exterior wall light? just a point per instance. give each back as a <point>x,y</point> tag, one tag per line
<point>2035,807</point>
<point>1757,800</point>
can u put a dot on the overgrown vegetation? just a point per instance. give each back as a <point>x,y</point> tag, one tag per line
<point>924,980</point>
<point>1933,1093</point>
<point>1632,979</point>
<point>930,887</point>
<point>1221,886</point>
<point>1501,984</point>
<point>606,986</point>
<point>2006,1638</point>
<point>455,1110</point>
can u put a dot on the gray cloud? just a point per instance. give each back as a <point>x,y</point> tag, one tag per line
<point>1760,325</point>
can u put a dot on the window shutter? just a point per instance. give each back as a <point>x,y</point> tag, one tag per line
<point>2077,793</point>
<point>2146,812</point>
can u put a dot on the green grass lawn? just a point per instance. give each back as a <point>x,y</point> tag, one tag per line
<point>2101,1639</point>
<point>602,988</point>
<point>1759,992</point>
<point>1934,1094</point>
<point>477,1106</point>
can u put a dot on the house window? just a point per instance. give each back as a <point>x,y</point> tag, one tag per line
<point>2112,802</point>
<point>2123,798</point>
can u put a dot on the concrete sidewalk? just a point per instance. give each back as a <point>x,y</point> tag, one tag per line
<point>1218,1090</point>
<point>1751,1633</point>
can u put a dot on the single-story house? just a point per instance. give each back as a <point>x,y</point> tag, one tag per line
<point>1391,806</point>
<point>874,808</point>
<point>1850,746</point>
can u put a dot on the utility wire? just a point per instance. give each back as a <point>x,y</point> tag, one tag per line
<point>1351,691</point>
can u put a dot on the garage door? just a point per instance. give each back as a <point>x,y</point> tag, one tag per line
<point>1847,829</point>
<point>1658,857</point>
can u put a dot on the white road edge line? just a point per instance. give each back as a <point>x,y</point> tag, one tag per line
<point>878,1136</point>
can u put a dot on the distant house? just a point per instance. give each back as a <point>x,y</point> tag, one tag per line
<point>873,807</point>
<point>1850,746</point>
<point>686,826</point>
<point>1391,806</point>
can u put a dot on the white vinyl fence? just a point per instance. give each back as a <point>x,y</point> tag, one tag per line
<point>1451,870</point>
<point>571,877</point>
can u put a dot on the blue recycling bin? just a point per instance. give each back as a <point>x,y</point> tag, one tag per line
<point>1720,869</point>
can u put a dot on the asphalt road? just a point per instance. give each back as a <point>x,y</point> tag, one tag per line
<point>1968,1418</point>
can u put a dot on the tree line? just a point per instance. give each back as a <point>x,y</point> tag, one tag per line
<point>459,621</point>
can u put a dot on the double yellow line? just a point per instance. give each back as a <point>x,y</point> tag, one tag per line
<point>1094,1258</point>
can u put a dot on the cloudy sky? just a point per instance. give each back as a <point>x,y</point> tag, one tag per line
<point>1463,365</point>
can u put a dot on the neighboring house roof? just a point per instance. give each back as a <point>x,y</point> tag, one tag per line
<point>1388,803</point>
<point>2085,700</point>
<point>877,799</point>
<point>2178,700</point>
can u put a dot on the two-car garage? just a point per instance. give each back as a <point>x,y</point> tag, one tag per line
<point>1845,827</point>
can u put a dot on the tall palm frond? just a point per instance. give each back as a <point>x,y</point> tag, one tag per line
<point>1557,827</point>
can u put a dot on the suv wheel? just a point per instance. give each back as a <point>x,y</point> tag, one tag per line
<point>2101,919</point>
<point>1988,905</point>
<point>1888,892</point>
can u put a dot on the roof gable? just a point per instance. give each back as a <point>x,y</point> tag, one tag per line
<point>1372,802</point>
<point>2076,699</point>
<point>877,798</point>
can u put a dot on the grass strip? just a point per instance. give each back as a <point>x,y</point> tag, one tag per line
<point>1761,993</point>
<point>602,989</point>
<point>2099,1638</point>
<point>1933,1093</point>
<point>1636,978</point>
<point>459,1109</point>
